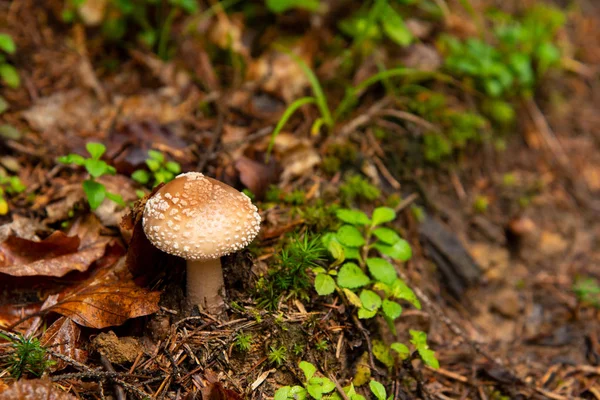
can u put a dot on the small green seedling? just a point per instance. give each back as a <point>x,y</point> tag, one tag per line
<point>362,282</point>
<point>243,342</point>
<point>524,49</point>
<point>290,273</point>
<point>26,357</point>
<point>314,386</point>
<point>10,185</point>
<point>161,170</point>
<point>277,355</point>
<point>389,355</point>
<point>320,387</point>
<point>95,192</point>
<point>370,282</point>
<point>8,73</point>
<point>380,20</point>
<point>150,21</point>
<point>587,291</point>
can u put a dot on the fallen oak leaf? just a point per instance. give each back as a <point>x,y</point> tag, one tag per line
<point>34,389</point>
<point>106,299</point>
<point>17,251</point>
<point>56,255</point>
<point>216,391</point>
<point>63,337</point>
<point>10,314</point>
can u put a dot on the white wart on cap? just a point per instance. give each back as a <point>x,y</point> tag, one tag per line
<point>200,218</point>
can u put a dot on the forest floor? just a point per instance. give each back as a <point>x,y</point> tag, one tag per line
<point>503,223</point>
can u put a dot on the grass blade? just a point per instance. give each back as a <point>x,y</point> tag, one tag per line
<point>319,95</point>
<point>287,114</point>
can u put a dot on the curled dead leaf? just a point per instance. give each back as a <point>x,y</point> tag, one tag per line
<point>256,176</point>
<point>216,391</point>
<point>106,299</point>
<point>63,336</point>
<point>297,155</point>
<point>56,255</point>
<point>227,31</point>
<point>278,73</point>
<point>10,313</point>
<point>34,389</point>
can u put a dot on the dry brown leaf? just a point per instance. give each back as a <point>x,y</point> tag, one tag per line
<point>34,389</point>
<point>11,313</point>
<point>56,255</point>
<point>227,31</point>
<point>22,227</point>
<point>63,337</point>
<point>92,12</point>
<point>109,212</point>
<point>22,257</point>
<point>216,391</point>
<point>106,299</point>
<point>74,111</point>
<point>256,176</point>
<point>297,155</point>
<point>278,73</point>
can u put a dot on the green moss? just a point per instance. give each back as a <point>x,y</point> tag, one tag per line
<point>331,165</point>
<point>358,188</point>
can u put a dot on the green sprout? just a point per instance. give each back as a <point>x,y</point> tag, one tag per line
<point>322,345</point>
<point>277,355</point>
<point>149,20</point>
<point>26,357</point>
<point>587,291</point>
<point>95,191</point>
<point>318,387</point>
<point>243,342</point>
<point>161,170</point>
<point>8,73</point>
<point>10,185</point>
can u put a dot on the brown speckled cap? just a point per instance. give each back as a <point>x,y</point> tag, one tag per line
<point>198,218</point>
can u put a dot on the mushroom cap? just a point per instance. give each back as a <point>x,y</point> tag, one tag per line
<point>198,218</point>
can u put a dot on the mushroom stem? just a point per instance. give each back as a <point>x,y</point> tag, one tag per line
<point>205,283</point>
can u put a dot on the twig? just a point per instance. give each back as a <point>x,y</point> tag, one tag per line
<point>95,373</point>
<point>416,375</point>
<point>546,133</point>
<point>386,173</point>
<point>363,118</point>
<point>409,117</point>
<point>119,392</point>
<point>406,202</point>
<point>339,387</point>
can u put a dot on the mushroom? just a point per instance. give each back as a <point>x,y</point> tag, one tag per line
<point>201,219</point>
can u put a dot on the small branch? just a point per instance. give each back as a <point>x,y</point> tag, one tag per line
<point>339,387</point>
<point>119,392</point>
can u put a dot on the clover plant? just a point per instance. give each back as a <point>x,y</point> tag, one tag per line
<point>522,50</point>
<point>317,387</point>
<point>363,274</point>
<point>8,73</point>
<point>10,185</point>
<point>161,170</point>
<point>587,290</point>
<point>94,191</point>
